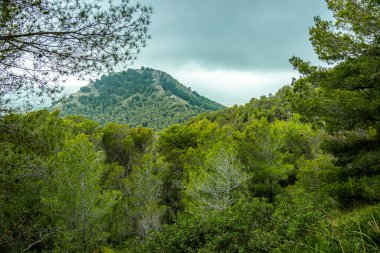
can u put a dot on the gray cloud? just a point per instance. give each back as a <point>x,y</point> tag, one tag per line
<point>225,34</point>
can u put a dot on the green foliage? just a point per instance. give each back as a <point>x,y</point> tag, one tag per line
<point>353,44</point>
<point>273,153</point>
<point>118,145</point>
<point>26,143</point>
<point>269,107</point>
<point>357,231</point>
<point>298,217</point>
<point>85,89</point>
<point>188,188</point>
<point>78,124</point>
<point>173,144</point>
<point>348,92</point>
<point>173,86</point>
<point>344,99</point>
<point>353,33</point>
<point>72,197</point>
<point>244,227</point>
<point>68,184</point>
<point>125,145</point>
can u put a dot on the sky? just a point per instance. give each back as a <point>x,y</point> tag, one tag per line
<point>230,50</point>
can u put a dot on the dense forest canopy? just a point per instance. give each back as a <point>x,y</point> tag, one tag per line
<point>297,171</point>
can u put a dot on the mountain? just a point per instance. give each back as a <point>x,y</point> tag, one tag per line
<point>145,96</point>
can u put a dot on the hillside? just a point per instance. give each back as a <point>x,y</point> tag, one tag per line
<point>146,97</point>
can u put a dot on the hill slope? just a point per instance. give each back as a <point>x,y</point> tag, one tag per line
<point>145,97</point>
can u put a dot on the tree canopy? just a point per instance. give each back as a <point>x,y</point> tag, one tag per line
<point>42,42</point>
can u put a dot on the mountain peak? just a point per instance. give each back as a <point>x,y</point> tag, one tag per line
<point>143,96</point>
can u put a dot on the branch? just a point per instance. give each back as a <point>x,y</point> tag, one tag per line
<point>11,36</point>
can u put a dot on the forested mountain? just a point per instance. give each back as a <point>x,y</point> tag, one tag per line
<point>146,97</point>
<point>294,172</point>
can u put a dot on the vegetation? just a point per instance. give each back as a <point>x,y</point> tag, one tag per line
<point>346,98</point>
<point>146,97</point>
<point>293,172</point>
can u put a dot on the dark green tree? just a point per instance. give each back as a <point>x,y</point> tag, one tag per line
<point>27,142</point>
<point>348,93</point>
<point>345,97</point>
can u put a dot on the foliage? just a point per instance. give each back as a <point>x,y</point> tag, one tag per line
<point>293,172</point>
<point>72,197</point>
<point>357,231</point>
<point>125,145</point>
<point>218,185</point>
<point>26,143</point>
<point>78,124</point>
<point>270,107</point>
<point>244,227</point>
<point>144,198</point>
<point>344,99</point>
<point>298,217</point>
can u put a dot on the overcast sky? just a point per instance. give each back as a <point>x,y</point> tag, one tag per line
<point>230,50</point>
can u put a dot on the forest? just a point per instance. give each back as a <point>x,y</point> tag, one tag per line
<point>144,96</point>
<point>298,171</point>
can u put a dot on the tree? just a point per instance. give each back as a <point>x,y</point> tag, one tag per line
<point>263,150</point>
<point>78,124</point>
<point>42,42</point>
<point>118,145</point>
<point>27,142</point>
<point>345,97</point>
<point>172,145</point>
<point>348,94</point>
<point>73,199</point>
<point>246,226</point>
<point>219,185</point>
<point>144,197</point>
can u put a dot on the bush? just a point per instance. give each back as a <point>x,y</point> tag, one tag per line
<point>357,231</point>
<point>244,227</point>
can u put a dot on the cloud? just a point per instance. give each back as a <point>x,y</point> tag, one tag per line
<point>231,51</point>
<point>240,34</point>
<point>231,87</point>
<point>72,84</point>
